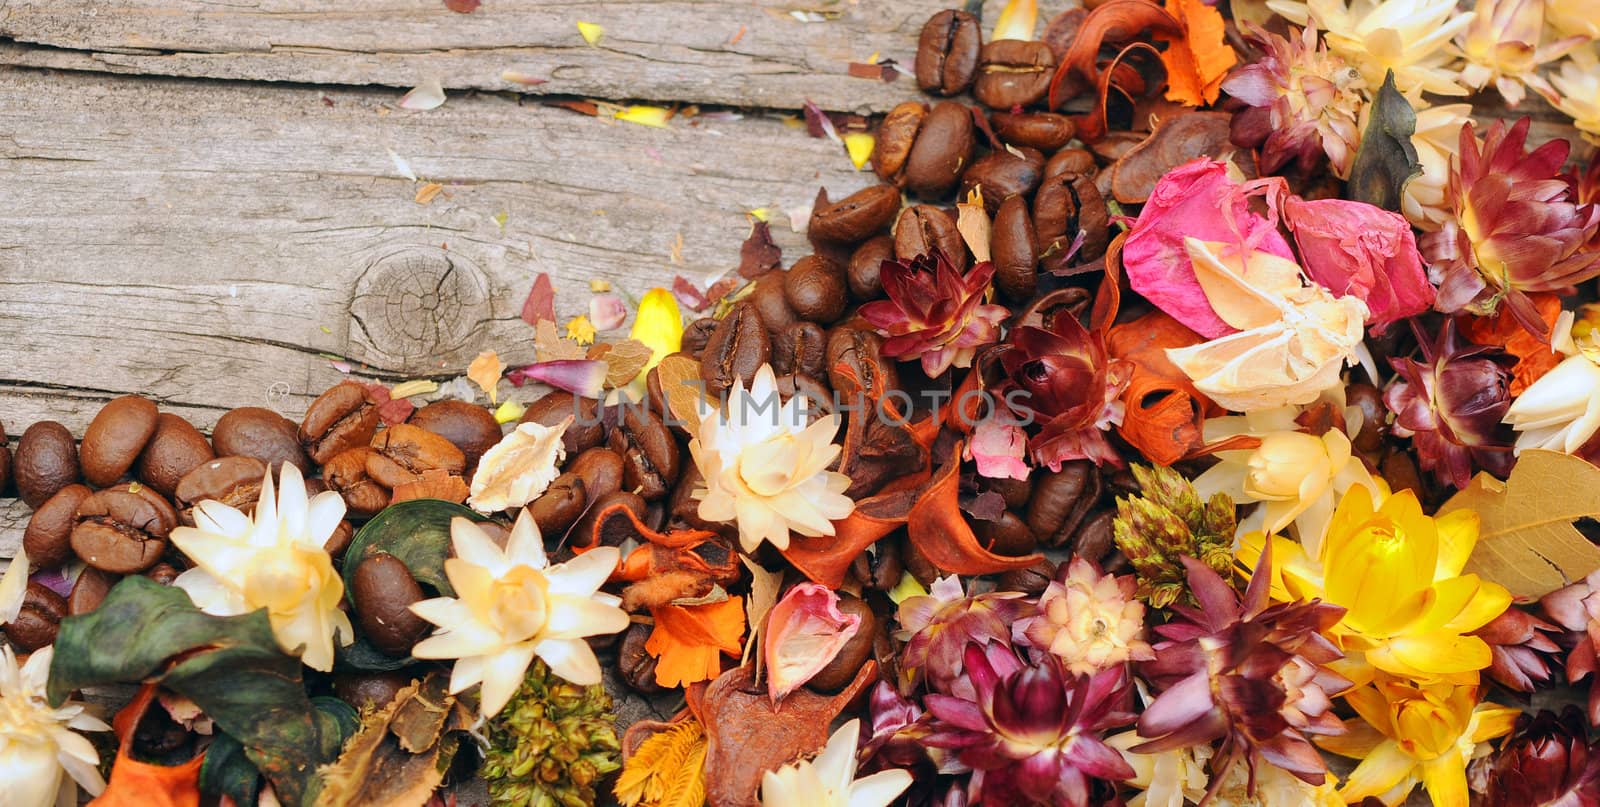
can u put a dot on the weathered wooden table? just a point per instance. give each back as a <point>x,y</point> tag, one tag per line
<point>201,201</point>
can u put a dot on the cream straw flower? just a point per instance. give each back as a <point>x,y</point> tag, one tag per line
<point>1438,142</point>
<point>1573,18</point>
<point>766,469</point>
<point>1376,36</point>
<point>1502,47</point>
<point>512,605</point>
<point>275,560</point>
<point>1561,410</point>
<point>39,744</point>
<point>1578,91</point>
<point>829,780</point>
<point>1165,778</point>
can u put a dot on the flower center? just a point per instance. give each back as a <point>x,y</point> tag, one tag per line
<point>519,604</point>
<point>282,577</point>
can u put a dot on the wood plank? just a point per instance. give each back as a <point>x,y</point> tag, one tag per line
<point>696,51</point>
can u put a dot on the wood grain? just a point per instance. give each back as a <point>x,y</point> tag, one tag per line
<point>708,52</point>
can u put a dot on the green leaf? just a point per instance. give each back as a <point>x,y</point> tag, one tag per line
<point>231,667</point>
<point>1386,160</point>
<point>417,532</point>
<point>226,771</point>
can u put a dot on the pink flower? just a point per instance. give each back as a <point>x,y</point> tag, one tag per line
<point>805,630</point>
<point>934,313</point>
<point>1197,199</point>
<point>998,447</point>
<point>1357,249</point>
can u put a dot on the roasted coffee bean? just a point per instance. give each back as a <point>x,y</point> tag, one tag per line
<point>860,349</point>
<point>48,538</point>
<point>942,151</point>
<point>1015,492</point>
<point>340,540</point>
<point>1400,471</point>
<point>347,473</point>
<point>583,531</point>
<point>175,449</point>
<point>1060,501</point>
<point>771,303</point>
<point>1045,131</point>
<point>918,565</point>
<point>881,566</point>
<point>925,229</point>
<point>948,52</point>
<point>1014,250</point>
<point>163,573</point>
<point>46,461</point>
<point>895,136</point>
<point>1095,538</point>
<point>1071,301</point>
<point>600,469</point>
<point>115,437</point>
<point>251,431</point>
<point>816,398</point>
<point>233,481</point>
<point>638,665</point>
<point>1374,416</point>
<point>123,530</point>
<point>1064,206</point>
<point>402,452</point>
<point>36,624</point>
<point>341,418</point>
<point>587,429</point>
<point>89,590</point>
<point>560,505</point>
<point>649,453</point>
<point>697,335</point>
<point>815,288</point>
<point>737,349</point>
<point>864,273</point>
<point>469,427</point>
<point>839,672</point>
<point>370,690</point>
<point>382,591</point>
<point>1031,581</point>
<point>1001,175</point>
<point>1007,535</point>
<point>856,217</point>
<point>802,348</point>
<point>5,462</point>
<point>1013,73</point>
<point>1069,161</point>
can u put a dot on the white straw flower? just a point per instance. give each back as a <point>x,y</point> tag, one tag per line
<point>1376,36</point>
<point>829,780</point>
<point>275,559</point>
<point>1578,91</point>
<point>766,469</point>
<point>1438,143</point>
<point>1561,410</point>
<point>43,760</point>
<point>512,605</point>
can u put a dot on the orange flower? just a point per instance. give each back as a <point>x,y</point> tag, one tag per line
<point>688,640</point>
<point>1534,356</point>
<point>1197,62</point>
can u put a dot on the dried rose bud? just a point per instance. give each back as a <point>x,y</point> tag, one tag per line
<point>1546,762</point>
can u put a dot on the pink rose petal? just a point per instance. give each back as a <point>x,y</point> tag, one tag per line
<point>805,630</point>
<point>577,376</point>
<point>607,311</point>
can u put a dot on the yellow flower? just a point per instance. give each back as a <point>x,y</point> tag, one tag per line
<point>829,780</point>
<point>1573,17</point>
<point>1296,476</point>
<point>43,759</point>
<point>1502,46</point>
<point>512,605</point>
<point>1578,91</point>
<point>766,469</point>
<point>1410,733</point>
<point>581,330</point>
<point>1376,36</point>
<point>1438,142</point>
<point>1410,610</point>
<point>274,559</point>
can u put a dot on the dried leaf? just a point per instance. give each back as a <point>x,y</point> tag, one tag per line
<point>428,193</point>
<point>519,467</point>
<point>1386,160</point>
<point>667,770</point>
<point>764,586</point>
<point>684,391</point>
<point>541,303</point>
<point>972,221</point>
<point>689,642</point>
<point>395,758</point>
<point>485,371</point>
<point>625,360</point>
<point>14,586</point>
<point>758,255</point>
<point>818,123</point>
<point>1165,414</point>
<point>1198,61</point>
<point>1526,540</point>
<point>428,94</point>
<point>463,6</point>
<point>547,346</point>
<point>591,32</point>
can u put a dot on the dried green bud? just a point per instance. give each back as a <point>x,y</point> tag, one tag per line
<point>551,743</point>
<point>1167,522</point>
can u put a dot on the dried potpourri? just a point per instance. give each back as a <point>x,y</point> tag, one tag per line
<point>1226,443</point>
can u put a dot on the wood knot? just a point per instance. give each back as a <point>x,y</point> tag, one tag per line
<point>416,309</point>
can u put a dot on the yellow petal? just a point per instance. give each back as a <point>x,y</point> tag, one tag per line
<point>509,412</point>
<point>1446,780</point>
<point>591,32</point>
<point>1489,600</point>
<point>652,116</point>
<point>1016,20</point>
<point>659,325</point>
<point>1384,768</point>
<point>1491,721</point>
<point>581,330</point>
<point>1458,535</point>
<point>859,146</point>
<point>1432,654</point>
<point>485,372</point>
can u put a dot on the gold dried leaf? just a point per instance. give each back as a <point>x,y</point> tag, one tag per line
<point>624,360</point>
<point>548,346</point>
<point>764,587</point>
<point>426,193</point>
<point>683,389</point>
<point>485,371</point>
<point>400,753</point>
<point>1526,540</point>
<point>668,770</point>
<point>972,221</point>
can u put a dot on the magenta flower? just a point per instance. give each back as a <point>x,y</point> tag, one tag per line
<point>934,312</point>
<point>938,626</point>
<point>1032,732</point>
<point>1364,251</point>
<point>1451,405</point>
<point>1072,387</point>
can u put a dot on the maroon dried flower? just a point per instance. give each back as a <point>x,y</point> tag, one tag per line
<point>1451,404</point>
<point>1547,762</point>
<point>1577,609</point>
<point>1246,673</point>
<point>1304,102</point>
<point>1522,649</point>
<point>938,626</point>
<point>934,312</point>
<point>1069,385</point>
<point>1031,733</point>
